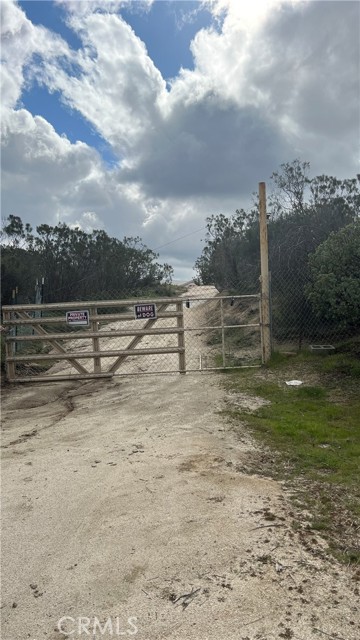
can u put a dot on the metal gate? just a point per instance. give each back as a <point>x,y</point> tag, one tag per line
<point>100,339</point>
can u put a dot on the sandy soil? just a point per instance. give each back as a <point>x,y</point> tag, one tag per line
<point>127,498</point>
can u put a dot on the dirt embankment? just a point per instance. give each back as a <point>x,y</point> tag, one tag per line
<point>129,498</point>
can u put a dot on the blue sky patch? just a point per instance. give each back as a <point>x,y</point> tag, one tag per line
<point>167,30</point>
<point>40,102</point>
<point>51,16</point>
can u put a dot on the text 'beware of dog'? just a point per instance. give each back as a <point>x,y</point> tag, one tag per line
<point>145,311</point>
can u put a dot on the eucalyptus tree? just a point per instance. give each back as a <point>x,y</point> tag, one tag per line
<point>75,264</point>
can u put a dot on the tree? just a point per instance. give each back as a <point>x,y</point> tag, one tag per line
<point>229,258</point>
<point>19,269</point>
<point>19,266</point>
<point>77,265</point>
<point>293,236</point>
<point>16,234</point>
<point>303,212</point>
<point>334,290</point>
<point>289,188</point>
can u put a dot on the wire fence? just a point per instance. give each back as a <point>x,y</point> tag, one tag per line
<point>296,325</point>
<point>219,331</point>
<point>200,331</point>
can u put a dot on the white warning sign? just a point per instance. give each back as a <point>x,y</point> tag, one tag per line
<point>77,317</point>
<point>145,311</point>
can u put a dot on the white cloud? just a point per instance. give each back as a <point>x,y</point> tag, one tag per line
<point>117,87</point>
<point>88,221</point>
<point>299,63</point>
<point>84,7</point>
<point>272,82</point>
<point>20,41</point>
<point>46,178</point>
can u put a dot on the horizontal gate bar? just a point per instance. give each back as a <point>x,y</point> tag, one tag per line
<point>54,378</point>
<point>117,303</point>
<point>226,326</point>
<point>95,354</point>
<point>76,335</point>
<point>218,298</point>
<point>97,318</point>
<point>90,303</point>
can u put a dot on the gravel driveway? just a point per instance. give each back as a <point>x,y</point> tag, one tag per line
<point>125,505</point>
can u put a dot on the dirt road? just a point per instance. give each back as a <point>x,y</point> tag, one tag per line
<point>125,503</point>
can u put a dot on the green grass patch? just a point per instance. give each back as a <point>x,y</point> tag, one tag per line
<point>341,364</point>
<point>314,432</point>
<point>316,435</point>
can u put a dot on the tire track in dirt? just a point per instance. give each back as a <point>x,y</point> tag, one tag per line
<point>135,504</point>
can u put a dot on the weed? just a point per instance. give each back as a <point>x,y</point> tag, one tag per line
<point>342,364</point>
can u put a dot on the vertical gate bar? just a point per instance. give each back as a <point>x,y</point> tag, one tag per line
<point>14,330</point>
<point>264,279</point>
<point>181,337</point>
<point>222,332</point>
<point>10,366</point>
<point>96,341</point>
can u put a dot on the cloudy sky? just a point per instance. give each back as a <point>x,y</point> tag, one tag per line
<point>143,118</point>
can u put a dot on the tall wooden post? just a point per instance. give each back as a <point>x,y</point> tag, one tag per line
<point>264,278</point>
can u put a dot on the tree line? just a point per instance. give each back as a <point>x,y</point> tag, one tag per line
<point>76,265</point>
<point>314,252</point>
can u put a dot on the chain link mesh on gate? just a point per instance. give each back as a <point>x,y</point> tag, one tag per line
<point>218,332</point>
<point>222,331</point>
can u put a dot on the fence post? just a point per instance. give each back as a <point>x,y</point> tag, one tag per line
<point>14,330</point>
<point>10,366</point>
<point>96,341</point>
<point>181,337</point>
<point>222,332</point>
<point>264,278</point>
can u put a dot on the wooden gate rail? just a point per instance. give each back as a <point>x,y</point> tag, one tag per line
<point>99,318</point>
<point>101,334</point>
<point>69,306</point>
<point>19,315</point>
<point>95,354</point>
<point>87,359</point>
